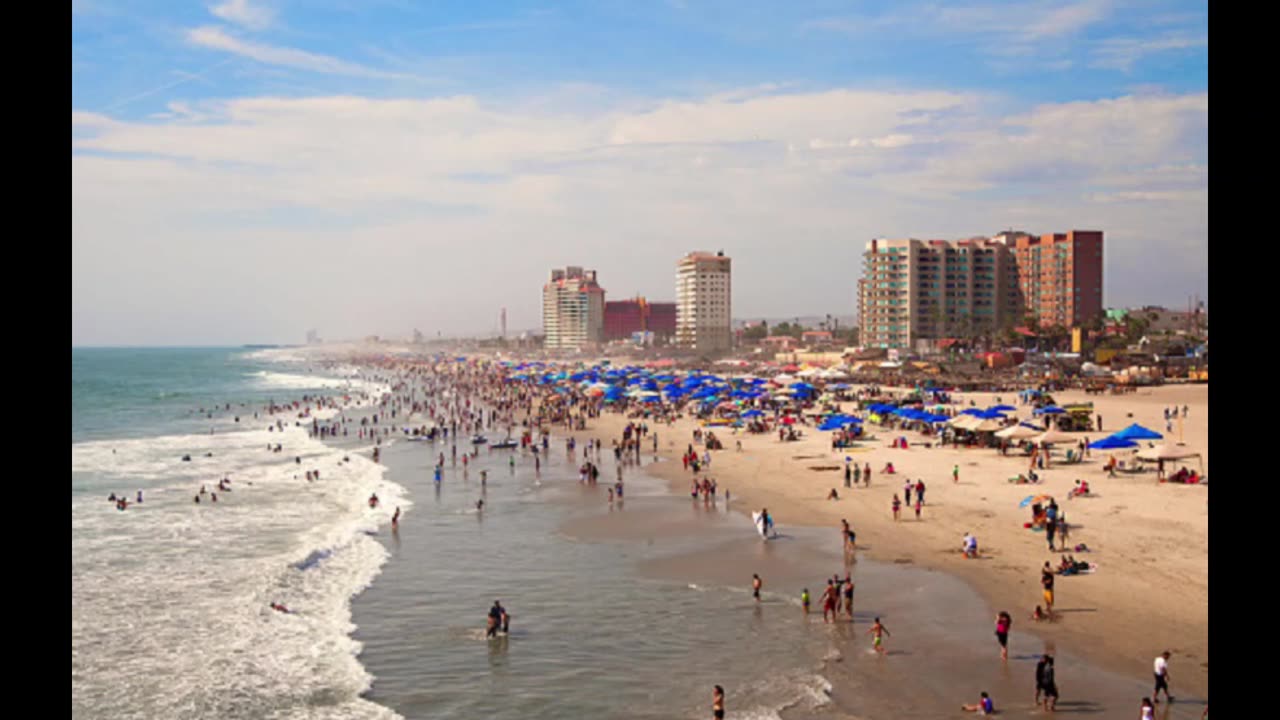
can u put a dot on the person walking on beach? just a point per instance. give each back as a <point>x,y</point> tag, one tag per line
<point>918,506</point>
<point>1040,666</point>
<point>1003,622</point>
<point>877,632</point>
<point>829,598</point>
<point>857,473</point>
<point>1148,710</point>
<point>866,476</point>
<point>848,594</point>
<point>897,505</point>
<point>395,519</point>
<point>804,600</point>
<point>1162,678</point>
<point>907,487</point>
<point>717,703</point>
<point>848,475</point>
<point>920,491</point>
<point>955,473</point>
<point>1050,686</point>
<point>755,586</point>
<point>1046,580</point>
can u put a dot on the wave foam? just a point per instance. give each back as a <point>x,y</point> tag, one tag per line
<point>171,613</point>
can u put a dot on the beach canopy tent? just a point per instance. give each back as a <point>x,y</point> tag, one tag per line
<point>1018,432</point>
<point>965,422</point>
<point>988,425</point>
<point>1137,432</point>
<point>1048,410</point>
<point>1166,451</point>
<point>1113,443</point>
<point>1054,436</point>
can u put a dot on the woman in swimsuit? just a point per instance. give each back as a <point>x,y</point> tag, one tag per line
<point>1003,622</point>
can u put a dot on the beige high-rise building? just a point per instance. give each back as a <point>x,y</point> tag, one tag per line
<point>704,291</point>
<point>914,292</point>
<point>572,309</point>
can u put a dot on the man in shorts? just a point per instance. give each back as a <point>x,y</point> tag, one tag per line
<point>1162,678</point>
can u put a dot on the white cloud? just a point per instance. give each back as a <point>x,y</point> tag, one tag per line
<point>216,39</point>
<point>267,199</point>
<point>240,12</point>
<point>1124,52</point>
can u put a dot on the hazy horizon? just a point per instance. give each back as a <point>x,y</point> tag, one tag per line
<point>244,171</point>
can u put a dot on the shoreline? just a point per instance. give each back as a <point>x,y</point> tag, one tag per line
<point>1097,620</point>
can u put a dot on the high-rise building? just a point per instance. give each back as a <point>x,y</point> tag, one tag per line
<point>914,292</point>
<point>703,302</point>
<point>572,309</point>
<point>1060,276</point>
<point>622,318</point>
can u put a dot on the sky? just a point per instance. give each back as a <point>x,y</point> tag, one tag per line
<point>246,170</point>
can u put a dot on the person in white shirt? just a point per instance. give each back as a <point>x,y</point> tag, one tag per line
<point>1162,677</point>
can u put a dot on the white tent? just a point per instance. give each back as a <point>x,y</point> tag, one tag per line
<point>1166,452</point>
<point>987,425</point>
<point>784,379</point>
<point>1055,436</point>
<point>964,422</point>
<point>1017,432</point>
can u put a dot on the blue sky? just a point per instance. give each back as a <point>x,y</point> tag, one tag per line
<point>240,155</point>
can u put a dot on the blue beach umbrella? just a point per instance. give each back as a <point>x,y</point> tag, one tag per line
<point>1048,410</point>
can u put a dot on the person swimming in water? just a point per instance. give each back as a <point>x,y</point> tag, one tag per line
<point>395,519</point>
<point>279,607</point>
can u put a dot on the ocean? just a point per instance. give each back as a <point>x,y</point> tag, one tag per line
<point>630,610</point>
<point>171,599</point>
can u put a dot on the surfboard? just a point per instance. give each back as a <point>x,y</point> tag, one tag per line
<point>758,519</point>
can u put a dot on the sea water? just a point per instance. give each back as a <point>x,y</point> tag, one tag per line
<point>171,599</point>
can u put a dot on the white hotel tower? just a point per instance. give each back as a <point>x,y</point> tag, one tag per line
<point>703,309</point>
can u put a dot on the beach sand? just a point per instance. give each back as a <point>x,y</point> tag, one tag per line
<point>1149,540</point>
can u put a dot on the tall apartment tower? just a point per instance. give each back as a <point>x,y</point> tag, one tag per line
<point>1060,276</point>
<point>572,309</point>
<point>915,290</point>
<point>703,302</point>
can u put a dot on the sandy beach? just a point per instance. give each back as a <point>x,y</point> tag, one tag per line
<point>1149,540</point>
